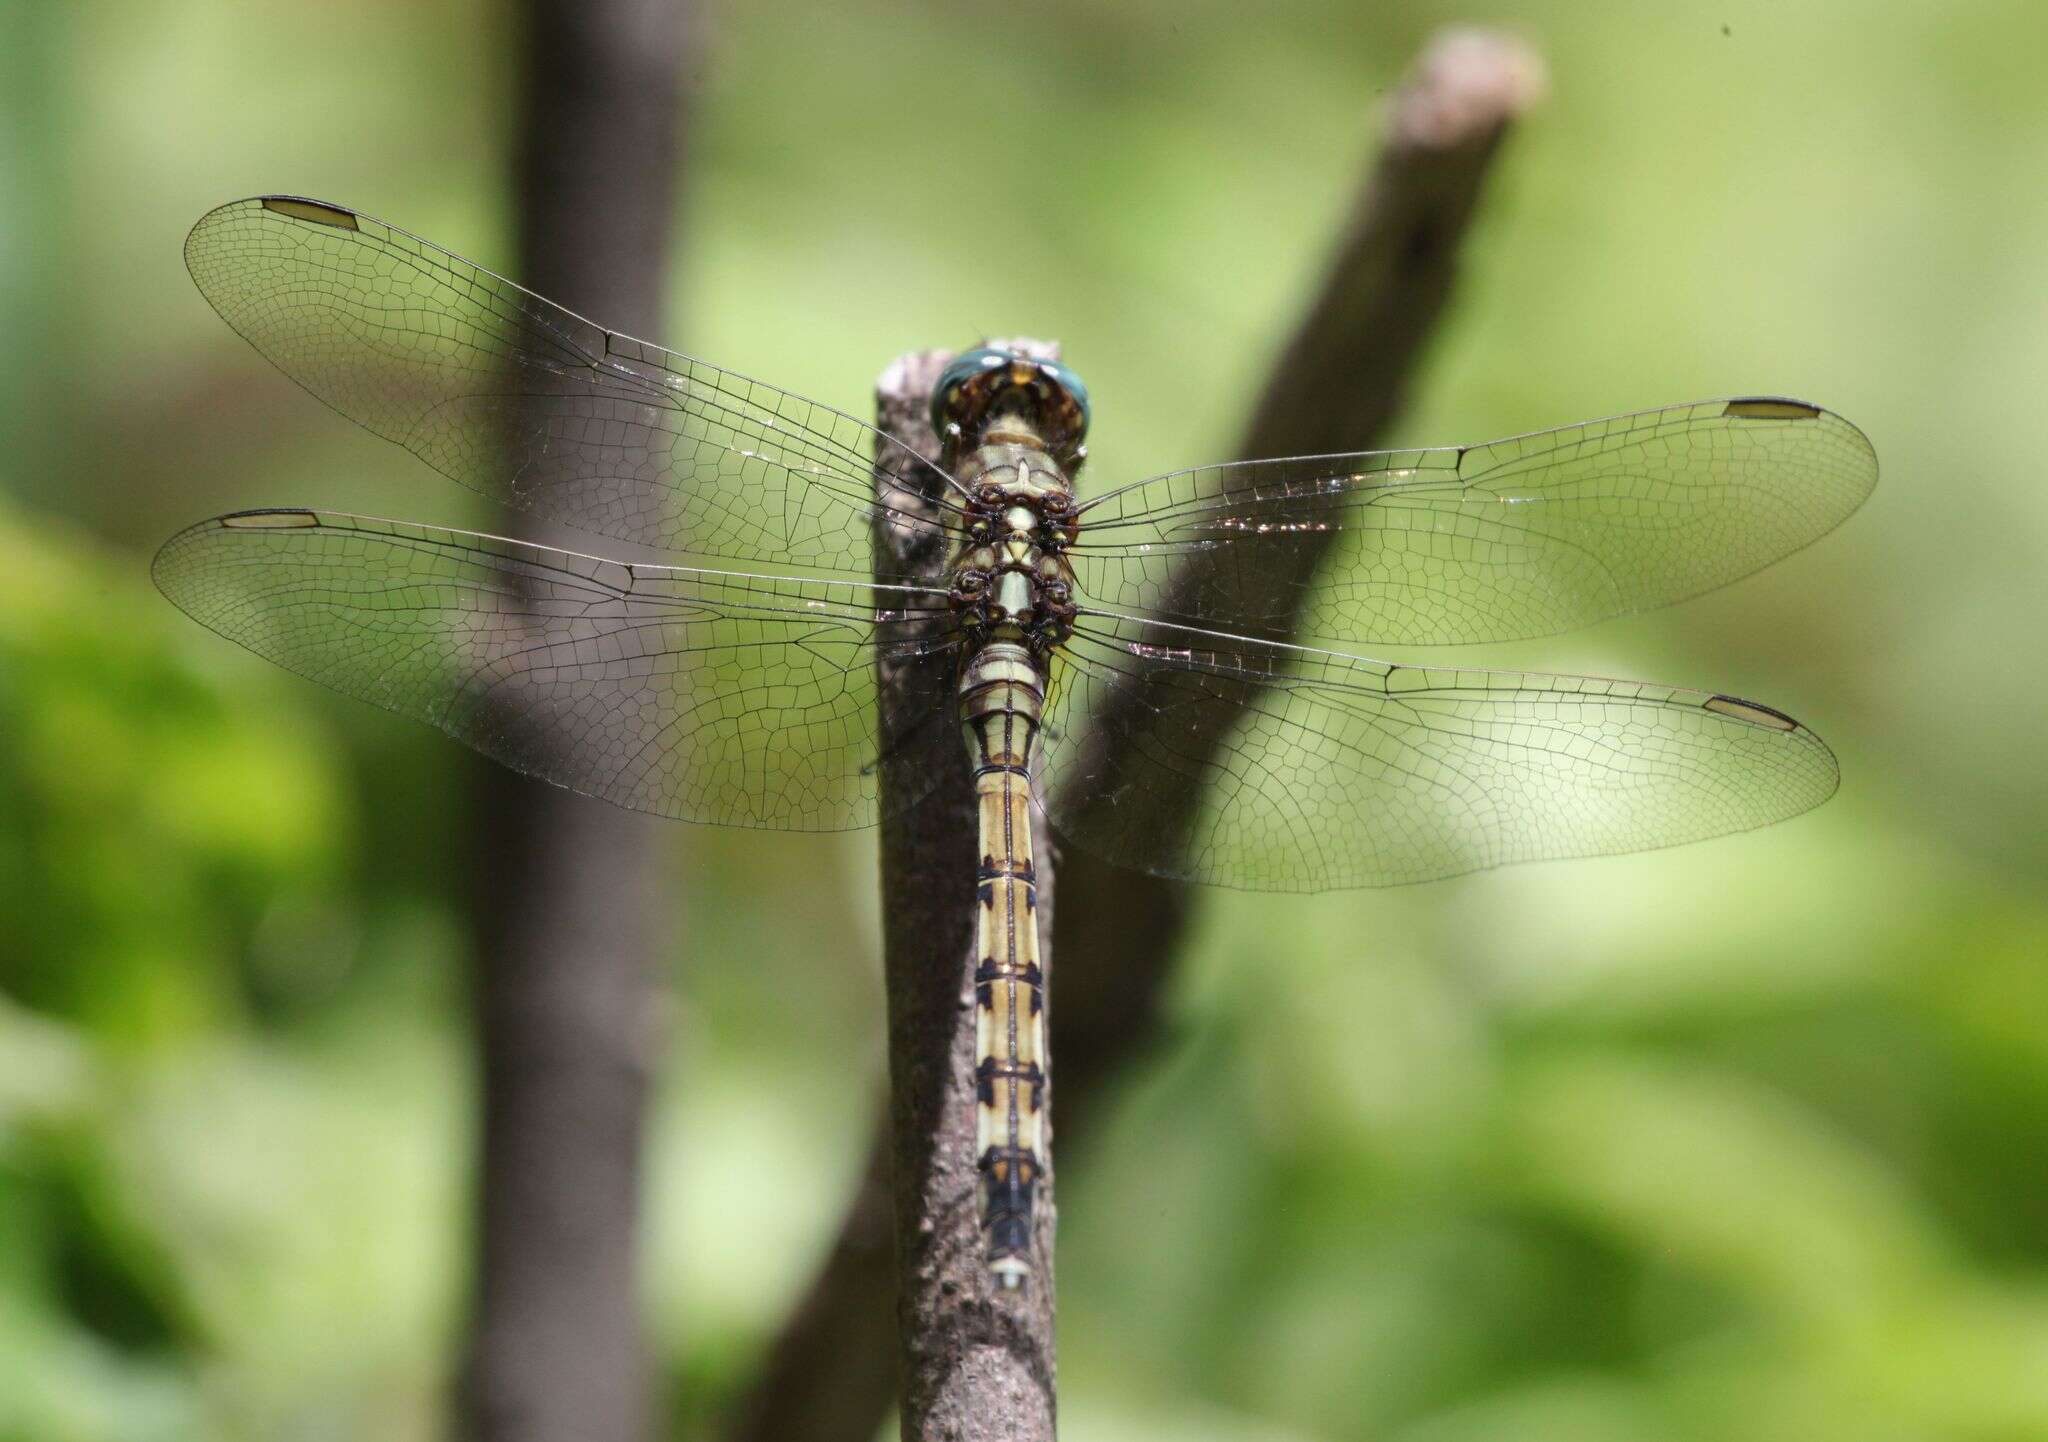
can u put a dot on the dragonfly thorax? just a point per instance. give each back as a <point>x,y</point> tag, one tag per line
<point>1011,580</point>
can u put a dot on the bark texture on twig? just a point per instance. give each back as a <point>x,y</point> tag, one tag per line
<point>1338,383</point>
<point>974,1364</point>
<point>574,903</point>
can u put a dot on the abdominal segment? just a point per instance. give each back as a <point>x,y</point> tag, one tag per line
<point>1000,705</point>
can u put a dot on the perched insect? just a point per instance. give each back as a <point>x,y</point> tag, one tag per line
<point>748,699</point>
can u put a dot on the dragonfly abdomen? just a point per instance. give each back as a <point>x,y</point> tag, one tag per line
<point>1002,694</point>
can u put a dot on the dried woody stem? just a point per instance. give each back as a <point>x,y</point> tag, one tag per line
<point>1338,383</point>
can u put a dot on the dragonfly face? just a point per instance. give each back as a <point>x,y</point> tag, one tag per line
<point>1140,647</point>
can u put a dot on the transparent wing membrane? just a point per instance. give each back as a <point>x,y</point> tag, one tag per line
<point>1293,769</point>
<point>702,695</point>
<point>535,407</point>
<point>1513,539</point>
<point>1183,734</point>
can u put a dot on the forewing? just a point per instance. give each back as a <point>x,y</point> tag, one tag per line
<point>1517,538</point>
<point>1241,762</point>
<point>533,406</point>
<point>707,696</point>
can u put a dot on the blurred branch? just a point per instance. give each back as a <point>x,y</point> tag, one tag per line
<point>1338,383</point>
<point>573,901</point>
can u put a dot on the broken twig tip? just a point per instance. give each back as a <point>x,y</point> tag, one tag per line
<point>1468,83</point>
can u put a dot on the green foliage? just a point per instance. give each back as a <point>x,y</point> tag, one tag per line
<point>167,1158</point>
<point>150,817</point>
<point>1742,1140</point>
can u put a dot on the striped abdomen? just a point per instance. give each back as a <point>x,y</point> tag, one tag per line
<point>1001,697</point>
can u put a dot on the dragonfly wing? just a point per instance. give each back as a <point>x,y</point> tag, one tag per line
<point>703,695</point>
<point>1241,762</point>
<point>1517,538</point>
<point>533,406</point>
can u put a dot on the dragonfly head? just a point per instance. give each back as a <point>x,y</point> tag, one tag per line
<point>989,383</point>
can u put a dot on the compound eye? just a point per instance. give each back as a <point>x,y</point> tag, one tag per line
<point>948,396</point>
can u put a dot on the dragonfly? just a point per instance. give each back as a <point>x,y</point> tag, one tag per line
<point>747,696</point>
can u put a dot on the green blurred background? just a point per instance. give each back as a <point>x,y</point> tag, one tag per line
<point>1743,1140</point>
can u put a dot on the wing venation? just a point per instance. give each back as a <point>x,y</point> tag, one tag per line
<point>703,695</point>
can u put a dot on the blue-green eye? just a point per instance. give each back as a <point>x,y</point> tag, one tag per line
<point>1063,375</point>
<point>974,378</point>
<point>953,380</point>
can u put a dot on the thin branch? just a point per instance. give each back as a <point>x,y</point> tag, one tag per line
<point>573,903</point>
<point>1336,386</point>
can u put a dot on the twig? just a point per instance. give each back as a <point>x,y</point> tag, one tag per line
<point>573,903</point>
<point>1336,386</point>
<point>1340,381</point>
